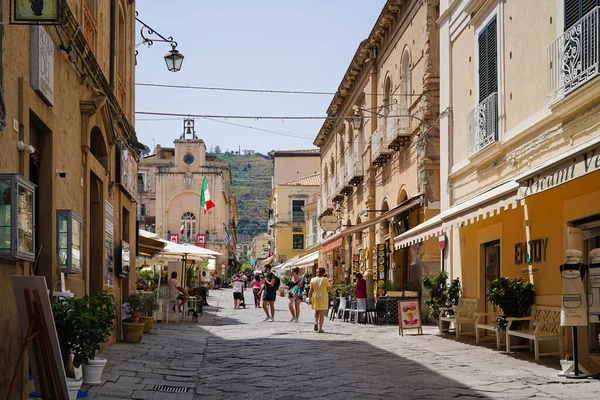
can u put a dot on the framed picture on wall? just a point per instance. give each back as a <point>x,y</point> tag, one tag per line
<point>409,316</point>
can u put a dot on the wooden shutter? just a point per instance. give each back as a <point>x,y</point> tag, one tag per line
<point>576,9</point>
<point>488,61</point>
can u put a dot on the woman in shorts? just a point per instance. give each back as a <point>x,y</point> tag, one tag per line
<point>238,289</point>
<point>295,294</point>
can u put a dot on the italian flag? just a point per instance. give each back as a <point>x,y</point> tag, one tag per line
<point>205,201</point>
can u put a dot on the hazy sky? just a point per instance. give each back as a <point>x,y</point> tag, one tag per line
<point>304,45</point>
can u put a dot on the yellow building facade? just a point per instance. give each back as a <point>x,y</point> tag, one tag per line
<point>520,184</point>
<point>69,157</point>
<point>380,150</point>
<point>288,216</point>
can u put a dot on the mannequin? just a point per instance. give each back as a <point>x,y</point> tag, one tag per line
<point>594,291</point>
<point>574,304</point>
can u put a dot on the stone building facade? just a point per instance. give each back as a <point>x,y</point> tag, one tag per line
<point>169,187</point>
<point>380,149</point>
<point>70,149</point>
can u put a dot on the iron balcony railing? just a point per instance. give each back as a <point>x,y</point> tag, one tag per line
<point>341,181</point>
<point>391,123</point>
<point>376,144</point>
<point>311,240</point>
<point>482,126</point>
<point>573,57</point>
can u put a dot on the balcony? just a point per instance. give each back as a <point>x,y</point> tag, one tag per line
<point>294,217</point>
<point>325,207</point>
<point>311,240</point>
<point>343,187</point>
<point>573,57</point>
<point>355,174</point>
<point>379,153</point>
<point>397,128</point>
<point>482,125</point>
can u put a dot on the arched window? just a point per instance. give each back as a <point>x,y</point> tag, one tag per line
<point>405,101</point>
<point>387,109</point>
<point>188,225</point>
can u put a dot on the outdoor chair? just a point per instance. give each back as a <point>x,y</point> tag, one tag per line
<point>343,309</point>
<point>333,308</point>
<point>362,309</point>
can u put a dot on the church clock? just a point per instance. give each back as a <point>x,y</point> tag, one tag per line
<point>188,158</point>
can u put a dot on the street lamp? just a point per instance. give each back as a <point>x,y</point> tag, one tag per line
<point>356,120</point>
<point>173,58</point>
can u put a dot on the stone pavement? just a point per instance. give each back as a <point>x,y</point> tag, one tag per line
<point>233,354</point>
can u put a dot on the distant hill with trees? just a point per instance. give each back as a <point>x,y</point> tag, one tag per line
<point>251,176</point>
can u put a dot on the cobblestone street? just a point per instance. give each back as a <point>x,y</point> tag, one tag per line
<point>234,354</point>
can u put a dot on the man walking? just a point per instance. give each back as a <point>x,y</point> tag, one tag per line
<point>204,282</point>
<point>269,294</point>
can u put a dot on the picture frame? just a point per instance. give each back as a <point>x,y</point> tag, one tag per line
<point>409,316</point>
<point>36,12</point>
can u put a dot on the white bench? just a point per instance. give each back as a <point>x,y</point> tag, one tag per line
<point>480,323</point>
<point>464,313</point>
<point>542,325</point>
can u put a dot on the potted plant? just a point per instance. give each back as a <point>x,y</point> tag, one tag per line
<point>514,297</point>
<point>132,329</point>
<point>82,325</point>
<point>441,294</point>
<point>149,306</point>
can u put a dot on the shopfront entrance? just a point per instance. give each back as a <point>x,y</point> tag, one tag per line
<point>491,269</point>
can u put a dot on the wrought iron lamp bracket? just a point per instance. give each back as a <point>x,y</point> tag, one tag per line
<point>148,31</point>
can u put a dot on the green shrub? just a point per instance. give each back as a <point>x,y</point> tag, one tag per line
<point>149,304</point>
<point>82,325</point>
<point>514,297</point>
<point>134,304</point>
<point>441,294</point>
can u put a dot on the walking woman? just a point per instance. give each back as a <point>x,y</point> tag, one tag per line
<point>256,290</point>
<point>319,299</point>
<point>295,294</point>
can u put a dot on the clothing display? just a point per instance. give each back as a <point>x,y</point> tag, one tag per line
<point>594,287</point>
<point>574,309</point>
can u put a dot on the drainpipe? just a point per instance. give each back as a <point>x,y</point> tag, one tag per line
<point>113,35</point>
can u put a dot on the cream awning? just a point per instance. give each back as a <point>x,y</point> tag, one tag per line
<point>488,204</point>
<point>307,259</point>
<point>264,262</point>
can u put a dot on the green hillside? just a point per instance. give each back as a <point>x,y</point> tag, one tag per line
<point>251,175</point>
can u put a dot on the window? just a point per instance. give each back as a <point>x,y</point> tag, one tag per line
<point>68,241</point>
<point>314,225</point>
<point>488,61</point>
<point>188,226</point>
<point>297,213</point>
<point>141,182</point>
<point>577,9</point>
<point>298,242</point>
<point>17,216</point>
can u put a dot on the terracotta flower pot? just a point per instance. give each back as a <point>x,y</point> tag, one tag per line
<point>148,323</point>
<point>132,332</point>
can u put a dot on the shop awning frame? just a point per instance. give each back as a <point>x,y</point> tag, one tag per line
<point>399,209</point>
<point>487,204</point>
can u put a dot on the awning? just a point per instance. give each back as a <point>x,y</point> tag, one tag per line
<point>264,262</point>
<point>286,266</point>
<point>399,209</point>
<point>307,259</point>
<point>486,204</point>
<point>148,244</point>
<point>333,244</point>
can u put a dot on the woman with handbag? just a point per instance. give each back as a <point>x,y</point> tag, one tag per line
<point>295,294</point>
<point>319,298</point>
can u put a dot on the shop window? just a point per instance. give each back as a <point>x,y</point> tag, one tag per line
<point>68,235</point>
<point>298,242</point>
<point>17,199</point>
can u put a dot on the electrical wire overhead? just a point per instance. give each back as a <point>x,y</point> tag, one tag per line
<point>272,91</point>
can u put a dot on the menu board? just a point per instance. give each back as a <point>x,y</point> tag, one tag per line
<point>409,316</point>
<point>109,244</point>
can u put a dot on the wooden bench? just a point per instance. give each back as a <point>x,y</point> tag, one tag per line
<point>481,323</point>
<point>464,313</point>
<point>542,325</point>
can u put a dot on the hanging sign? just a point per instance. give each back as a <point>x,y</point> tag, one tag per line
<point>329,223</point>
<point>42,64</point>
<point>174,237</point>
<point>36,11</point>
<point>109,244</point>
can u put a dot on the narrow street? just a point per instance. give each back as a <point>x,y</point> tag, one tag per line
<point>233,354</point>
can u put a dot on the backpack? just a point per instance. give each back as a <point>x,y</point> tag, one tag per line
<point>277,282</point>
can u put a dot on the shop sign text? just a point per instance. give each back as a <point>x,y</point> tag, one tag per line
<point>579,166</point>
<point>534,250</point>
<point>42,64</point>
